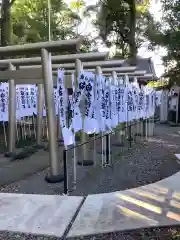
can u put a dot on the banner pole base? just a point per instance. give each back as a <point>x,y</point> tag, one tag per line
<point>86,163</point>
<point>54,179</point>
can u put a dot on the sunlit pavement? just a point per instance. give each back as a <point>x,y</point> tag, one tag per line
<point>156,204</point>
<point>153,205</point>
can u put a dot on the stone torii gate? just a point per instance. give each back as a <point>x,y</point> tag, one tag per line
<point>44,49</point>
<point>28,79</point>
<point>78,66</point>
<point>34,75</point>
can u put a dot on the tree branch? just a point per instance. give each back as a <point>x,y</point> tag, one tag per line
<point>12,2</point>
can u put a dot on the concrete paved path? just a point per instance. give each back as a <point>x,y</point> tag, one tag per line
<point>17,170</point>
<point>177,157</point>
<point>37,214</point>
<point>156,204</point>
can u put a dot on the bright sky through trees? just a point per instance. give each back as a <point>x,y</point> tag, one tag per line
<point>86,28</point>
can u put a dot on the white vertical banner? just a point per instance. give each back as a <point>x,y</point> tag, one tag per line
<point>77,96</point>
<point>62,97</point>
<point>18,104</point>
<point>33,99</point>
<point>3,102</point>
<point>89,124</point>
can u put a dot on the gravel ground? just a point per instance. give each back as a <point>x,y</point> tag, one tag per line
<point>143,234</point>
<point>146,162</point>
<point>163,233</point>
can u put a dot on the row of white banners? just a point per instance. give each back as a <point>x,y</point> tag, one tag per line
<point>108,103</point>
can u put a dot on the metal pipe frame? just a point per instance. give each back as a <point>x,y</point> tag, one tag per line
<point>40,99</point>
<point>98,72</point>
<point>71,66</point>
<point>117,133</point>
<point>145,76</point>
<point>137,73</point>
<point>36,72</point>
<point>59,59</point>
<point>46,72</point>
<point>107,69</point>
<point>35,48</point>
<point>69,58</point>
<point>27,76</point>
<point>37,75</point>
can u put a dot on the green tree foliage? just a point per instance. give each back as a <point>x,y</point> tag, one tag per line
<point>79,7</point>
<point>124,24</point>
<point>5,23</point>
<point>119,23</point>
<point>30,21</point>
<point>113,22</point>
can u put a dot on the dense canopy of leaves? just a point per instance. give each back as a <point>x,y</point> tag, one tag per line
<point>30,20</point>
<point>121,23</point>
<point>116,21</point>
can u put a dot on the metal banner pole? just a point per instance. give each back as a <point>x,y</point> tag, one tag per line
<point>120,133</point>
<point>40,114</point>
<point>117,133</point>
<point>65,172</point>
<point>59,132</point>
<point>74,149</point>
<point>103,145</point>
<point>98,73</point>
<point>78,68</point>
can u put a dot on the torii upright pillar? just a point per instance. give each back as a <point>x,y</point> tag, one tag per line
<point>12,116</point>
<point>54,175</point>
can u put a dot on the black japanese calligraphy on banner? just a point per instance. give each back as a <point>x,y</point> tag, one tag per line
<point>4,102</point>
<point>27,96</point>
<point>103,103</point>
<point>97,108</point>
<point>89,93</point>
<point>141,101</point>
<point>113,100</point>
<point>23,100</point>
<point>77,95</point>
<point>61,98</point>
<point>18,104</point>
<point>55,101</point>
<point>147,102</point>
<point>135,94</point>
<point>33,98</point>
<point>107,103</point>
<point>96,101</point>
<point>116,99</point>
<point>129,101</point>
<point>2,95</point>
<point>121,103</point>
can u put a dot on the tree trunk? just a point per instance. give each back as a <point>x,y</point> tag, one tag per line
<point>132,40</point>
<point>5,23</point>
